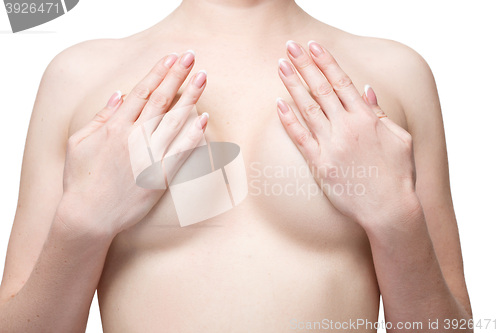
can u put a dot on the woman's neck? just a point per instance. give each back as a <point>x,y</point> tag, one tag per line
<point>244,18</point>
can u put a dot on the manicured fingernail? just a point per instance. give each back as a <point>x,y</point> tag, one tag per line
<point>282,106</point>
<point>285,67</point>
<point>200,79</point>
<point>370,95</point>
<point>315,48</point>
<point>170,60</point>
<point>203,120</point>
<point>294,49</point>
<point>115,99</point>
<point>187,59</point>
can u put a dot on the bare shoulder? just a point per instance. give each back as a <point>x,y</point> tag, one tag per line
<point>409,78</point>
<point>399,69</point>
<point>400,76</point>
<point>71,72</point>
<point>79,65</point>
<point>77,73</point>
<point>402,65</point>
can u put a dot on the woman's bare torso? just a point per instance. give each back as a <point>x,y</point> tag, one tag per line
<point>276,259</point>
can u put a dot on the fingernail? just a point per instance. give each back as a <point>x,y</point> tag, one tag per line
<point>316,49</point>
<point>282,106</point>
<point>187,59</point>
<point>200,79</point>
<point>285,67</point>
<point>294,49</point>
<point>115,99</point>
<point>203,120</point>
<point>370,95</point>
<point>170,60</point>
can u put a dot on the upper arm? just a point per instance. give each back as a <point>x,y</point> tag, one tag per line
<point>42,171</point>
<point>419,98</point>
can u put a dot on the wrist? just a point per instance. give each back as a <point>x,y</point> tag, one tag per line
<point>402,214</point>
<point>73,220</point>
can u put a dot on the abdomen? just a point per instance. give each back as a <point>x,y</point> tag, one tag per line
<point>252,269</point>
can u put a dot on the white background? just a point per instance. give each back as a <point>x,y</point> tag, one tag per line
<point>459,40</point>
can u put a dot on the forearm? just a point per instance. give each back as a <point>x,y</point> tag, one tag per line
<point>409,276</point>
<point>59,291</point>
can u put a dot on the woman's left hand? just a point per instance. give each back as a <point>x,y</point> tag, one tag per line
<point>361,159</point>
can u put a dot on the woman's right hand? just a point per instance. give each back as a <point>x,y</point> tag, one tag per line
<point>100,193</point>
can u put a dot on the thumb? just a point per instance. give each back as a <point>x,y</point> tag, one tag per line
<point>101,117</point>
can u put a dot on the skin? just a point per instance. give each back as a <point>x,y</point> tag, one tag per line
<point>273,258</point>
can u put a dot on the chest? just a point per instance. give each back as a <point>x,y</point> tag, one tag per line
<point>282,195</point>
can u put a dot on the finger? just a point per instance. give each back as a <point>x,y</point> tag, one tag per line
<point>176,159</point>
<point>113,104</point>
<point>138,97</point>
<point>101,117</point>
<point>193,91</point>
<point>165,93</point>
<point>171,124</point>
<point>371,99</point>
<point>167,128</point>
<point>309,109</point>
<point>300,136</point>
<point>340,81</point>
<point>321,89</point>
<point>365,98</point>
<point>396,129</point>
